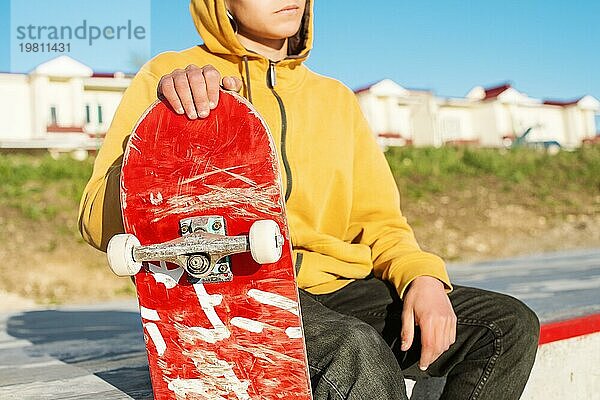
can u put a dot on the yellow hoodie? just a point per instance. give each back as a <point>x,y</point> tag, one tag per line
<point>342,201</point>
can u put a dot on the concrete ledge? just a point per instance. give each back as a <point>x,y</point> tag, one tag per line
<point>561,330</point>
<point>566,369</point>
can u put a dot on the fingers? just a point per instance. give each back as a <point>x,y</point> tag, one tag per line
<point>429,347</point>
<point>213,80</point>
<point>199,89</point>
<point>408,327</point>
<point>182,87</point>
<point>447,331</point>
<point>194,90</point>
<point>437,335</point>
<point>451,330</point>
<point>166,91</point>
<point>232,83</point>
<point>435,316</point>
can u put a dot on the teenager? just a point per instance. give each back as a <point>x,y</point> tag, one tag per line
<point>375,307</point>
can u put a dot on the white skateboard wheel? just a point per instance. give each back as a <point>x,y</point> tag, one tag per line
<point>266,242</point>
<point>120,255</point>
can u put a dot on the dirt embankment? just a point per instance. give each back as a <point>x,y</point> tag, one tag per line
<point>41,266</point>
<point>470,228</point>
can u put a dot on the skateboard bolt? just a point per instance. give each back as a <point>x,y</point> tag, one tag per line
<point>184,229</point>
<point>217,225</point>
<point>223,268</point>
<point>198,265</point>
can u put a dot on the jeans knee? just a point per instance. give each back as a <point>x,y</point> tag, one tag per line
<point>525,324</point>
<point>366,351</point>
<point>362,342</point>
<point>530,321</point>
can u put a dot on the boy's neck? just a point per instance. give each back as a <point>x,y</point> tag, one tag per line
<point>273,49</point>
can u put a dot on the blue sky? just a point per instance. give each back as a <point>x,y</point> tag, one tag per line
<point>547,48</point>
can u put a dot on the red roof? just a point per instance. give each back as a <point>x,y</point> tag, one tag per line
<point>111,75</point>
<point>562,103</point>
<point>493,92</point>
<point>103,75</point>
<point>390,135</point>
<point>95,74</point>
<point>364,88</point>
<point>64,129</point>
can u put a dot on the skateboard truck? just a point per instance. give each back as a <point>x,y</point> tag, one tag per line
<point>202,250</point>
<point>208,267</point>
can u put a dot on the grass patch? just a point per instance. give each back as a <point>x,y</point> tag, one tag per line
<point>526,173</point>
<point>39,186</point>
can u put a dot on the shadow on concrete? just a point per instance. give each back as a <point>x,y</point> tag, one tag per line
<point>108,344</point>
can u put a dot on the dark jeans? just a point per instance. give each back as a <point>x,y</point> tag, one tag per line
<point>353,341</point>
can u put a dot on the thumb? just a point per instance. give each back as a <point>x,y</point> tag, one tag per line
<point>408,328</point>
<point>231,83</point>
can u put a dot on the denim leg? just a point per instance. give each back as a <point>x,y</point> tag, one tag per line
<point>347,358</point>
<point>496,338</point>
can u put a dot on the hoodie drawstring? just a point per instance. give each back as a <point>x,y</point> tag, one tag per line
<point>248,84</point>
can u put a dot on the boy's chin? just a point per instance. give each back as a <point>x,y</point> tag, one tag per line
<point>285,32</point>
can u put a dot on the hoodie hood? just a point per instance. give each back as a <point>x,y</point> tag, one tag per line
<point>212,23</point>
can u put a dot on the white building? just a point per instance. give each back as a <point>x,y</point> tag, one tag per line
<point>486,116</point>
<point>62,105</point>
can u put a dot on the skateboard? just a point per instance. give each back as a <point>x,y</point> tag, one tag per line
<point>208,245</point>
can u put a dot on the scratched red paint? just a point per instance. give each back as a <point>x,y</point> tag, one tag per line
<point>229,149</point>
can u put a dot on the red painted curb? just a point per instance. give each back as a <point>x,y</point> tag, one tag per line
<point>560,330</point>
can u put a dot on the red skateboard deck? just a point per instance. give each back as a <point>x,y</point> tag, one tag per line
<point>240,339</point>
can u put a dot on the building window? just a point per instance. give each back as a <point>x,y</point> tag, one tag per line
<point>88,116</point>
<point>53,118</point>
<point>99,114</point>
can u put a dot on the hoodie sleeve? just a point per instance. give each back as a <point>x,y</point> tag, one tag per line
<point>377,220</point>
<point>99,211</point>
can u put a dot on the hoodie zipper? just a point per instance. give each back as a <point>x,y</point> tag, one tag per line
<point>271,82</point>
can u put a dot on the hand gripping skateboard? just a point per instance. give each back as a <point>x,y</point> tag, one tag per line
<point>208,244</point>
